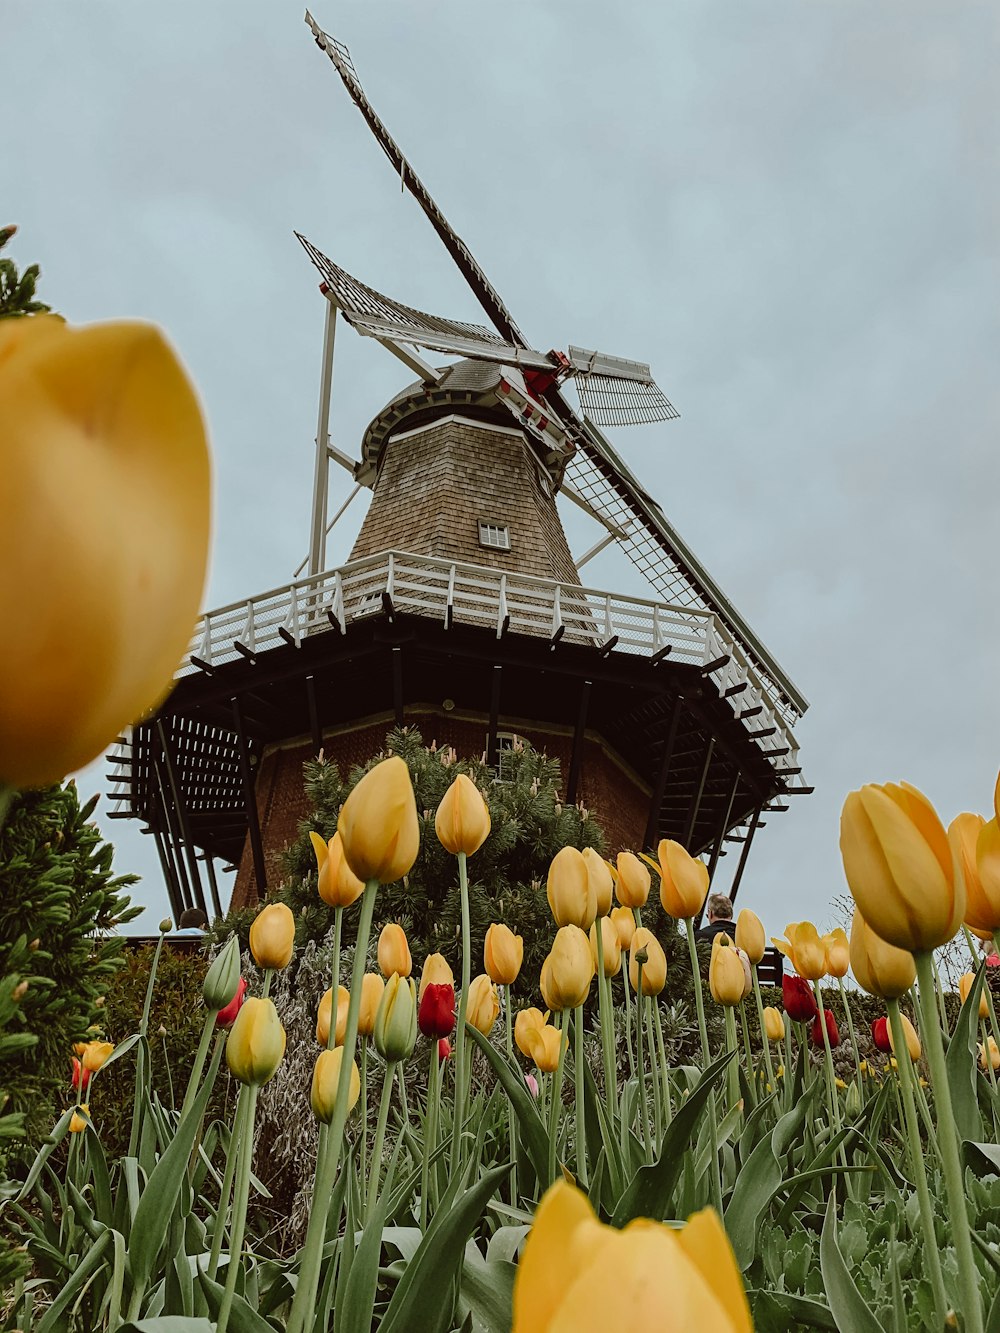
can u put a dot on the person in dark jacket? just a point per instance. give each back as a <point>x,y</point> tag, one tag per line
<point>720,919</point>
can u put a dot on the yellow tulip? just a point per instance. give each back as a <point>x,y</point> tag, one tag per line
<point>654,969</point>
<point>324,1013</point>
<point>965,984</point>
<point>912,1040</point>
<point>879,968</point>
<point>601,878</point>
<point>655,1277</point>
<point>396,1021</point>
<point>77,1123</point>
<point>612,949</point>
<point>378,823</point>
<point>547,1044</point>
<point>256,1042</point>
<point>624,919</point>
<point>394,952</point>
<point>436,972</point>
<point>728,978</point>
<point>483,1006</point>
<point>104,529</point>
<point>986,881</point>
<point>526,1022</point>
<point>631,880</point>
<point>326,1078</point>
<point>337,885</point>
<point>994,1053</point>
<point>570,889</point>
<point>462,822</point>
<point>372,988</point>
<point>272,936</point>
<point>683,880</point>
<point>95,1053</point>
<point>802,945</point>
<point>774,1024</point>
<point>750,935</point>
<point>503,953</point>
<point>568,970</point>
<point>899,866</point>
<point>838,952</point>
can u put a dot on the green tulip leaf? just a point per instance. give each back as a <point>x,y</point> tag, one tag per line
<point>758,1182</point>
<point>848,1306</point>
<point>172,1323</point>
<point>488,1290</point>
<point>535,1136</point>
<point>53,1320</point>
<point>242,1318</point>
<point>961,1062</point>
<point>791,1309</point>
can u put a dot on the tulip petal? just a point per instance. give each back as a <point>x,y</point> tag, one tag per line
<point>543,1273</point>
<point>706,1244</point>
<point>320,848</point>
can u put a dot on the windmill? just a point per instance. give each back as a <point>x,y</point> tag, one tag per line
<point>669,715</point>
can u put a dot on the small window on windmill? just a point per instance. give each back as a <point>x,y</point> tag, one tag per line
<point>368,604</point>
<point>508,744</point>
<point>495,536</point>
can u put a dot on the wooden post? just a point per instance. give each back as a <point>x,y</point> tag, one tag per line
<point>659,790</point>
<point>250,799</point>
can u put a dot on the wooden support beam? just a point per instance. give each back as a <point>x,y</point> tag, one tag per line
<point>250,799</point>
<point>213,883</point>
<point>169,876</point>
<point>723,828</point>
<point>754,825</point>
<point>169,834</point>
<point>491,740</point>
<point>173,781</point>
<point>660,786</point>
<point>696,803</point>
<point>576,754</point>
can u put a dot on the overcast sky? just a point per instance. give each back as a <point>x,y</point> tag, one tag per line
<point>790,210</point>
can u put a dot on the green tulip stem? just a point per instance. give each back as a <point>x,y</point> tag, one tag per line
<point>653,1059</point>
<point>430,1133</point>
<point>268,978</point>
<point>556,1106</point>
<point>142,1054</point>
<point>706,1057</point>
<point>986,1054</point>
<point>222,1212</point>
<point>643,1100</point>
<point>338,926</point>
<point>948,1145</point>
<point>765,1044</point>
<point>748,1051</point>
<point>661,1053</point>
<point>831,1083</point>
<point>461,1049</point>
<point>240,1197</point>
<point>788,1080</point>
<point>363,1130</point>
<point>511,1117</point>
<point>850,1027</point>
<point>628,1022</point>
<point>581,1115</point>
<point>906,1081</point>
<point>201,1055</point>
<point>939,993</point>
<point>604,1014</point>
<point>376,1159</point>
<point>732,1045</point>
<point>328,1159</point>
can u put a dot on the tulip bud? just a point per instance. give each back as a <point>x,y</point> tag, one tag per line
<point>80,1077</point>
<point>462,822</point>
<point>503,953</point>
<point>994,1053</point>
<point>912,1040</point>
<point>965,984</point>
<point>526,1022</point>
<point>837,950</point>
<point>532,1084</point>
<point>223,977</point>
<point>985,882</point>
<point>227,1015</point>
<point>612,949</point>
<point>683,880</point>
<point>624,920</point>
<point>394,951</point>
<point>483,1005</point>
<point>325,1012</point>
<point>750,935</point>
<point>774,1024</point>
<point>337,884</point>
<point>95,1054</point>
<point>272,936</point>
<point>436,972</point>
<point>727,977</point>
<point>601,880</point>
<point>379,824</point>
<point>568,970</point>
<point>852,1102</point>
<point>632,881</point>
<point>256,1042</point>
<point>654,967</point>
<point>372,987</point>
<point>77,1123</point>
<point>880,969</point>
<point>166,926</point>
<point>436,1013</point>
<point>900,867</point>
<point>326,1079</point>
<point>798,1000</point>
<point>833,1036</point>
<point>396,1020</point>
<point>880,1035</point>
<point>444,1049</point>
<point>571,893</point>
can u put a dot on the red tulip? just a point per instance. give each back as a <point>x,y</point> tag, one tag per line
<point>227,1017</point>
<point>880,1034</point>
<point>798,999</point>
<point>81,1076</point>
<point>831,1029</point>
<point>444,1049</point>
<point>436,1015</point>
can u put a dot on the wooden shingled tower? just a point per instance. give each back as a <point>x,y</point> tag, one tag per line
<point>462,611</point>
